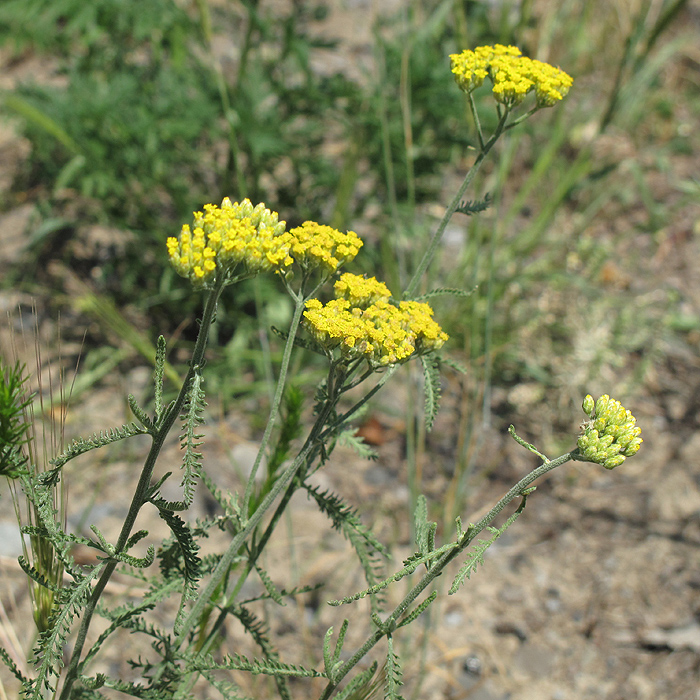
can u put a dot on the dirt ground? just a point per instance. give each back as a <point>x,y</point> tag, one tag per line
<point>593,593</point>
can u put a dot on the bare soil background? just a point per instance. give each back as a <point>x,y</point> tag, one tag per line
<point>593,593</point>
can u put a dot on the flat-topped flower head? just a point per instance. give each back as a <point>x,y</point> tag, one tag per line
<point>363,322</point>
<point>222,238</point>
<point>314,245</point>
<point>611,434</point>
<point>512,75</point>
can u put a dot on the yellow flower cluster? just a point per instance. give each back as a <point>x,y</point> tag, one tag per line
<point>611,435</point>
<point>317,246</point>
<point>363,322</point>
<point>222,237</point>
<point>513,75</point>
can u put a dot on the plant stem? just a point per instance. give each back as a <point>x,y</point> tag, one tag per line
<point>438,567</point>
<point>437,236</point>
<point>277,399</point>
<point>140,494</point>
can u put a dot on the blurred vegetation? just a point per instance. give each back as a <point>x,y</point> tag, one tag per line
<point>154,107</point>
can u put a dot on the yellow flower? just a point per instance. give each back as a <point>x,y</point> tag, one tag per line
<point>221,238</point>
<point>363,322</point>
<point>314,245</point>
<point>513,76</point>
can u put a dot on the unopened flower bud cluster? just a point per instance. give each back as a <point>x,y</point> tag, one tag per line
<point>513,75</point>
<point>363,322</point>
<point>611,435</point>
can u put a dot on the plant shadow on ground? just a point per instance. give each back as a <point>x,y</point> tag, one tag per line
<point>587,284</point>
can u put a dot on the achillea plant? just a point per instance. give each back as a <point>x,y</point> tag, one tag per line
<point>364,333</point>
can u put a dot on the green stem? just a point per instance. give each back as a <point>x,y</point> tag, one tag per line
<point>520,489</point>
<point>312,441</point>
<point>142,488</point>
<point>437,236</point>
<point>237,542</point>
<point>276,401</point>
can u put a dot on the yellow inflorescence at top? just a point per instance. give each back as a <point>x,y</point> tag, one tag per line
<point>222,238</point>
<point>513,75</point>
<point>363,322</point>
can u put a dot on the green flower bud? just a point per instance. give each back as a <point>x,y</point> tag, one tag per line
<point>591,454</point>
<point>633,447</point>
<point>612,462</point>
<point>615,430</point>
<point>589,406</point>
<point>614,449</point>
<point>601,404</point>
<point>605,441</point>
<point>619,417</point>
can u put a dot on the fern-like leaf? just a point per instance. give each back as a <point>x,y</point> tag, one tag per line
<point>331,660</point>
<point>476,556</point>
<point>410,565</point>
<point>417,611</point>
<point>121,618</point>
<point>393,678</point>
<point>424,528</point>
<point>142,416</point>
<point>190,440</point>
<point>189,557</point>
<point>350,438</point>
<point>34,574</point>
<point>158,373</point>
<point>269,667</point>
<point>367,547</point>
<point>48,652</point>
<point>96,440</point>
<point>475,207</point>
<point>270,587</point>
<point>7,660</point>
<point>431,387</point>
<point>258,630</point>
<point>343,517</point>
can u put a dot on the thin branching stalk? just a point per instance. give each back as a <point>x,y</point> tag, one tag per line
<point>521,489</point>
<point>452,207</point>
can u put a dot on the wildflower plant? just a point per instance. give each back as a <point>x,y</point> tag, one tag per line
<point>365,335</point>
